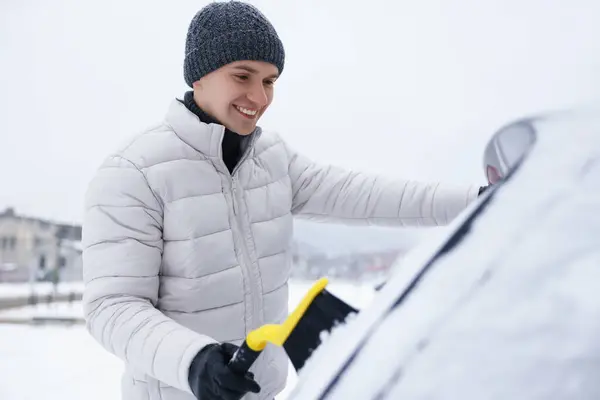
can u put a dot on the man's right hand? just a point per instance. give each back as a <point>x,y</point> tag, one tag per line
<point>210,378</point>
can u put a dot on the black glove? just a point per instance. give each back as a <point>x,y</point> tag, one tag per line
<point>210,378</point>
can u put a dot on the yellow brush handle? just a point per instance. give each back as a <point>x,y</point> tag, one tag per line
<point>277,334</point>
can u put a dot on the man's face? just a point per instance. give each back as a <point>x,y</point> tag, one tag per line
<point>237,94</point>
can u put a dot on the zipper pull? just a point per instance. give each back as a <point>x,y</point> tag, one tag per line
<point>234,197</point>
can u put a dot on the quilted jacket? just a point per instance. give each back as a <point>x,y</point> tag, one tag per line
<point>179,252</point>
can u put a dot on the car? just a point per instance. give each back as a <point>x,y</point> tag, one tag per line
<point>506,303</point>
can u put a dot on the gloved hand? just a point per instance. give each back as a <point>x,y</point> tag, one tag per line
<point>211,379</point>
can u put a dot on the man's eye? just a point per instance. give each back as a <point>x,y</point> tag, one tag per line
<point>270,82</point>
<point>242,77</point>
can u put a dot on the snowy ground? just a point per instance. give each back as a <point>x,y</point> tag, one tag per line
<point>10,290</point>
<point>64,362</point>
<point>58,310</point>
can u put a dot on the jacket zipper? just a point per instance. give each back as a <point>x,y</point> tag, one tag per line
<point>254,288</point>
<point>239,232</point>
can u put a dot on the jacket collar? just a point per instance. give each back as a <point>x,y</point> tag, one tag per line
<point>203,137</point>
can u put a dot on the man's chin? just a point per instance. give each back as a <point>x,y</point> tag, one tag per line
<point>244,130</point>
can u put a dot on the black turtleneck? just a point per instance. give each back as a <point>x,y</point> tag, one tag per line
<point>232,142</point>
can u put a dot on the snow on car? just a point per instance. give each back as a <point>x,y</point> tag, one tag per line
<point>506,304</point>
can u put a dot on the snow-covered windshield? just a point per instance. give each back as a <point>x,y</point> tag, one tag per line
<point>504,306</point>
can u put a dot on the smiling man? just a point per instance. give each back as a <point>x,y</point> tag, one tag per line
<point>231,93</point>
<point>187,229</point>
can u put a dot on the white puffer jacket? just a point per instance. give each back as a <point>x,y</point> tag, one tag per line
<point>180,253</point>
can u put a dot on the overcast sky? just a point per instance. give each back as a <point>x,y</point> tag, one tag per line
<point>410,89</point>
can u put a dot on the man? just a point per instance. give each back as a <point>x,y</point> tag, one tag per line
<point>187,228</point>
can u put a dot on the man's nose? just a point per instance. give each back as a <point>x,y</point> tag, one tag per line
<point>258,95</point>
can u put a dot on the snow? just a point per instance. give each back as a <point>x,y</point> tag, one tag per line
<point>65,363</point>
<point>12,290</point>
<point>62,363</point>
<point>511,312</point>
<point>56,311</point>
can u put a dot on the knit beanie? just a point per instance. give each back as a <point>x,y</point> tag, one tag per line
<point>224,32</point>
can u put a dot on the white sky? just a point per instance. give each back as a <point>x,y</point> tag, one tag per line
<point>411,89</point>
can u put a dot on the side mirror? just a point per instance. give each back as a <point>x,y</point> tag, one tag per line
<point>506,149</point>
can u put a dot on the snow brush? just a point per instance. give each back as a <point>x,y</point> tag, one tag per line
<point>300,333</point>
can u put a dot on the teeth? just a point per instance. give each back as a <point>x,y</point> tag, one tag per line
<point>246,111</point>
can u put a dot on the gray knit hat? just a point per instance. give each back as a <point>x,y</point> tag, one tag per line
<point>224,32</point>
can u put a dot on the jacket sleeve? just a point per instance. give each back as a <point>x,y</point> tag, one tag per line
<point>328,193</point>
<point>122,238</point>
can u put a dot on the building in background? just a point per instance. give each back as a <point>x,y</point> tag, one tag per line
<point>35,248</point>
